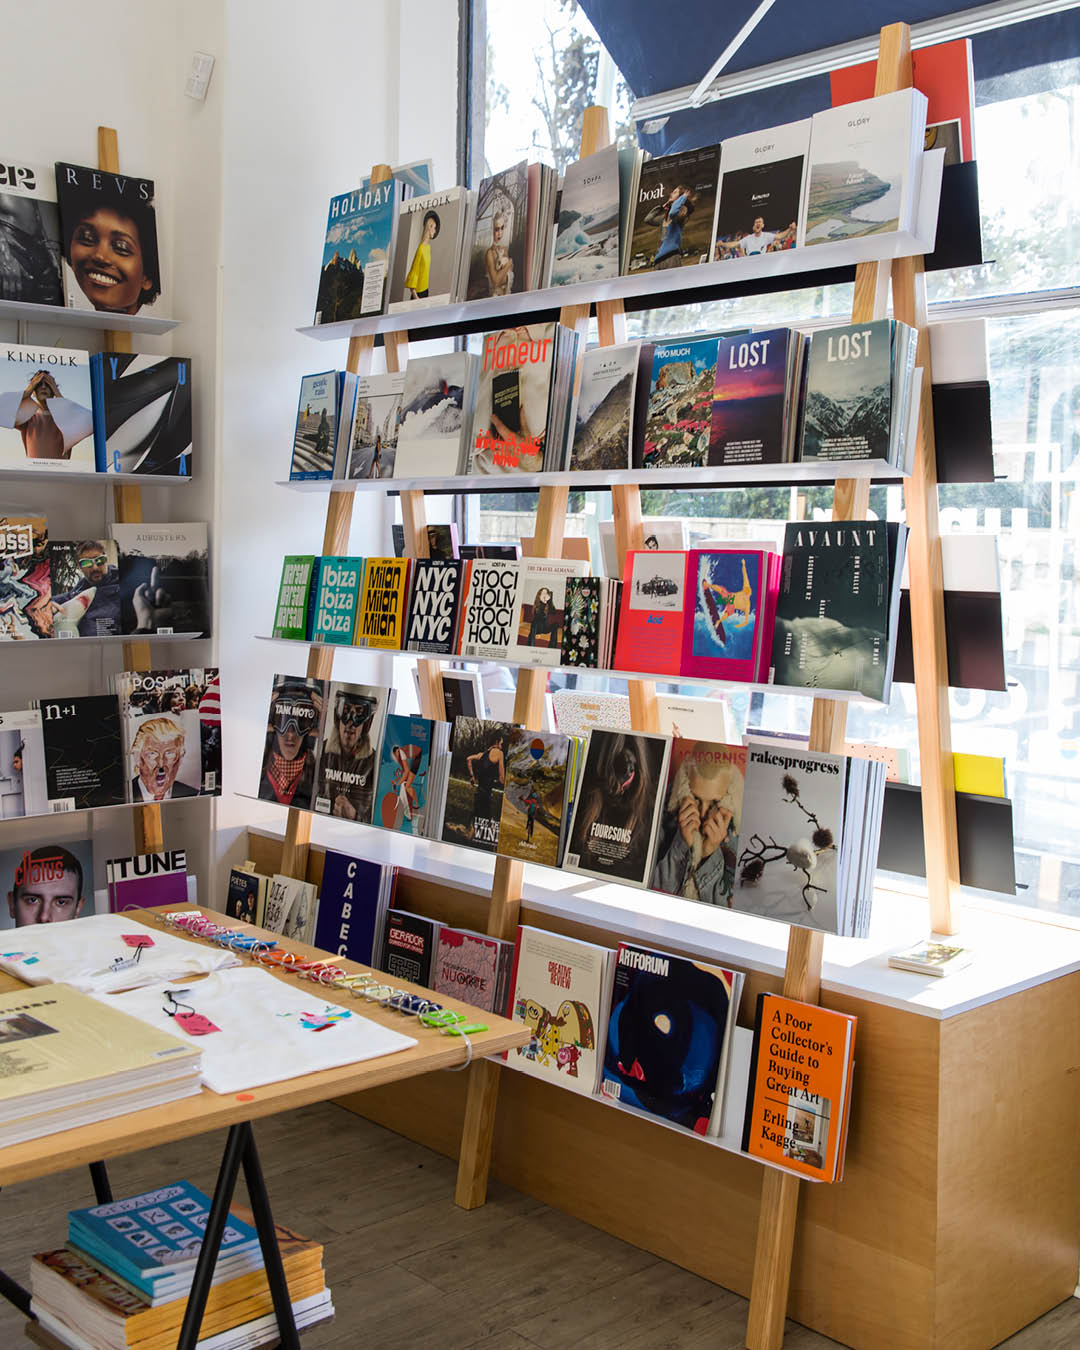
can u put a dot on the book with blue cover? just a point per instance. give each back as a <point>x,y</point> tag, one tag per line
<point>350,907</point>
<point>337,597</point>
<point>401,790</point>
<point>319,416</point>
<point>356,253</point>
<point>153,1240</point>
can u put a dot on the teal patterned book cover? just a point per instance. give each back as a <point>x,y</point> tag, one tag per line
<point>337,594</point>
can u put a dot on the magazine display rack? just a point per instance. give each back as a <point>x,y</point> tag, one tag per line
<point>780,1190</point>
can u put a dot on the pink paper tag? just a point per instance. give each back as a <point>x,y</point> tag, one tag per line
<point>137,939</point>
<point>195,1024</point>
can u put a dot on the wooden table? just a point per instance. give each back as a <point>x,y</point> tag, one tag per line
<point>91,1144</point>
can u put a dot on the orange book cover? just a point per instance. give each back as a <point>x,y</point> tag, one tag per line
<point>942,72</point>
<point>800,1086</point>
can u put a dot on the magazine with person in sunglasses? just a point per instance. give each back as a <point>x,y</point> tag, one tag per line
<point>355,715</point>
<point>293,732</point>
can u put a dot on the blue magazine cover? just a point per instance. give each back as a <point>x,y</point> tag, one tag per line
<point>401,792</point>
<point>349,907</point>
<point>356,254</point>
<point>315,437</point>
<point>337,595</point>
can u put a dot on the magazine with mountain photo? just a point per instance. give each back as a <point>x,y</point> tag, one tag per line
<point>761,184</point>
<point>587,233</point>
<point>533,811</point>
<point>164,578</point>
<point>348,756</point>
<point>679,416</point>
<point>427,250</point>
<point>30,244</point>
<point>603,430</point>
<point>46,417</point>
<point>26,594</point>
<point>862,175</point>
<point>370,447</point>
<point>619,797</point>
<point>110,244</point>
<point>497,262</point>
<point>674,213</point>
<point>356,252</point>
<point>848,401</point>
<point>142,414</point>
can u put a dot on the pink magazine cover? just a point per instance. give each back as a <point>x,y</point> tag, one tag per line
<point>730,599</point>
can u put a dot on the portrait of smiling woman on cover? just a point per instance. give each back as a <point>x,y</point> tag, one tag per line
<point>110,240</point>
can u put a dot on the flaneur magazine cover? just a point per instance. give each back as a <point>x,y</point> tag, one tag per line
<point>698,841</point>
<point>48,883</point>
<point>84,753</point>
<point>142,414</point>
<point>674,211</point>
<point>513,399</point>
<point>603,431</point>
<point>679,416</point>
<point>85,588</point>
<point>372,444</point>
<point>402,793</point>
<point>667,1036</point>
<point>356,253</point>
<point>164,578</point>
<point>560,989</point>
<point>427,250</point>
<point>534,796</point>
<point>110,241</point>
<point>497,265</point>
<point>25,579</point>
<point>46,420</point>
<point>474,796</point>
<point>761,182</point>
<point>618,803</point>
<point>22,765</point>
<point>293,731</point>
<point>30,247</point>
<point>352,734</point>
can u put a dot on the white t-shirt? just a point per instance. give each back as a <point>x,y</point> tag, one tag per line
<point>81,952</point>
<point>756,243</point>
<point>268,1027</point>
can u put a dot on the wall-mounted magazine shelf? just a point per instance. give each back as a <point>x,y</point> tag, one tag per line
<point>85,318</point>
<point>841,695</point>
<point>104,640</point>
<point>787,270</point>
<point>111,806</point>
<point>21,475</point>
<point>594,480</point>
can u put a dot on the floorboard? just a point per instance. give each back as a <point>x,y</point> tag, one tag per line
<point>410,1271</point>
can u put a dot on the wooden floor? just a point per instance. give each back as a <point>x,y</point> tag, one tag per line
<point>410,1271</point>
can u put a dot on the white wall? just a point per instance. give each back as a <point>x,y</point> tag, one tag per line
<point>306,116</point>
<point>164,136</point>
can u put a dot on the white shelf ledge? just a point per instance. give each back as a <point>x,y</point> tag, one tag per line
<point>102,640</point>
<point>838,695</point>
<point>60,475</point>
<point>1012,953</point>
<point>668,287</point>
<point>825,472</point>
<point>86,318</point>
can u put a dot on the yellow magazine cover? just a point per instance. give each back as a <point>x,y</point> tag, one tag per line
<point>382,614</point>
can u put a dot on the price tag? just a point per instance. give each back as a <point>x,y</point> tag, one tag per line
<point>137,939</point>
<point>195,1024</point>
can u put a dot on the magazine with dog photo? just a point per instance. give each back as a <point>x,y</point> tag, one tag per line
<point>618,802</point>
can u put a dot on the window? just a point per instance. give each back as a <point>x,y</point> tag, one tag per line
<point>1028,150</point>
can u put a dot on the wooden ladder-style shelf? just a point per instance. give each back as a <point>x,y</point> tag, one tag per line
<point>802,980</point>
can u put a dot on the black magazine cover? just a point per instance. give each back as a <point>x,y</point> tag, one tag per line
<point>164,578</point>
<point>142,420</point>
<point>618,798</point>
<point>433,606</point>
<point>242,898</point>
<point>29,235</point>
<point>581,625</point>
<point>293,731</point>
<point>665,1035</point>
<point>474,794</point>
<point>110,244</point>
<point>832,613</point>
<point>84,752</point>
<point>408,947</point>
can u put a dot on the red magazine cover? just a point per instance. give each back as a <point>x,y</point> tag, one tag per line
<point>943,73</point>
<point>731,598</point>
<point>651,614</point>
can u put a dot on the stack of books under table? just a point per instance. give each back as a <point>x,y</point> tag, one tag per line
<point>122,1280</point>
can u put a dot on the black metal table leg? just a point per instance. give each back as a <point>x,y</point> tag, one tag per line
<point>264,1226</point>
<point>100,1178</point>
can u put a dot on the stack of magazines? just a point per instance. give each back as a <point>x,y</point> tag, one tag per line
<point>122,1280</point>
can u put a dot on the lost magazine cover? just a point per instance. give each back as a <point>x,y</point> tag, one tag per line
<point>110,242</point>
